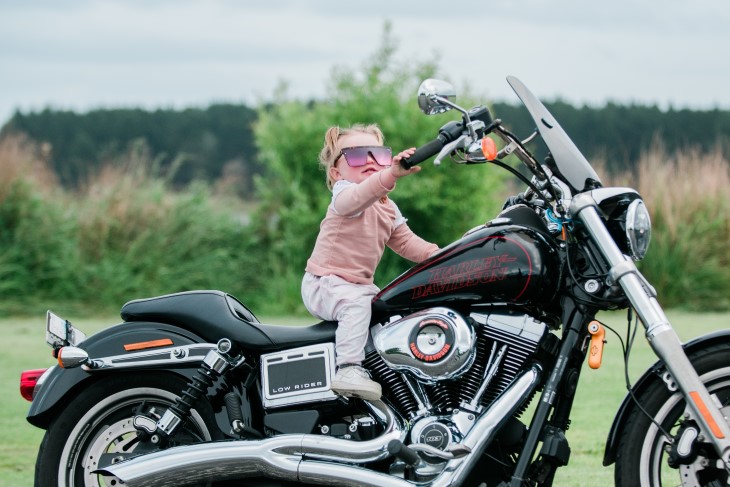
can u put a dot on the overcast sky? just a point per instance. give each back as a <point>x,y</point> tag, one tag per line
<point>85,54</point>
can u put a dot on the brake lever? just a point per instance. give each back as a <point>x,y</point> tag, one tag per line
<point>461,143</point>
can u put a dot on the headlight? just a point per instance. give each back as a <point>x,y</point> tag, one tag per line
<point>638,229</point>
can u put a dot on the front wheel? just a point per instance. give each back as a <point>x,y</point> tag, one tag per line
<point>646,457</point>
<point>96,428</point>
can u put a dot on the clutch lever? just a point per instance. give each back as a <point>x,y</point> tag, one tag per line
<point>462,142</point>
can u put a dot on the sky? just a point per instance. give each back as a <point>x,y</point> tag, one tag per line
<point>87,54</point>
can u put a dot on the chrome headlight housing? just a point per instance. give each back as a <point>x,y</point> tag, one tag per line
<point>626,218</point>
<point>638,229</point>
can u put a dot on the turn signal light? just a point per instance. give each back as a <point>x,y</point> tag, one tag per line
<point>28,381</point>
<point>489,149</point>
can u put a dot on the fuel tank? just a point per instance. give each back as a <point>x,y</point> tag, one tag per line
<point>511,260</point>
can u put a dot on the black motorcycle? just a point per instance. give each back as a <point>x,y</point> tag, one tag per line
<point>193,389</point>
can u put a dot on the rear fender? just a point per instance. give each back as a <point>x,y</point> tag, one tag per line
<point>61,384</point>
<point>654,373</point>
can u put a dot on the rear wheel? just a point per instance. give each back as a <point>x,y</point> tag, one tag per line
<point>95,428</point>
<point>645,454</point>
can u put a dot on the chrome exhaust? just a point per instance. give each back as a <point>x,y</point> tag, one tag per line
<point>314,459</point>
<point>277,457</point>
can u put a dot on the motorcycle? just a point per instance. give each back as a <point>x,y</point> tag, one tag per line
<point>478,349</point>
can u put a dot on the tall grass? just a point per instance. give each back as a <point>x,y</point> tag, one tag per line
<point>123,235</point>
<point>688,195</point>
<point>127,234</point>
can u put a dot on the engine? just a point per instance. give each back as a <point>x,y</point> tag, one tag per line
<point>433,345</point>
<point>439,360</point>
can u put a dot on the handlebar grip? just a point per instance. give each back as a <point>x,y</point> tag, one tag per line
<point>422,153</point>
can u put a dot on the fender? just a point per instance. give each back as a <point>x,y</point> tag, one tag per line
<point>61,383</point>
<point>652,374</point>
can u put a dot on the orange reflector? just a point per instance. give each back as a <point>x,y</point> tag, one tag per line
<point>144,345</point>
<point>598,335</point>
<point>489,149</point>
<point>706,414</point>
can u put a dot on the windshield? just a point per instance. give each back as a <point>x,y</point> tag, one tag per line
<point>571,164</point>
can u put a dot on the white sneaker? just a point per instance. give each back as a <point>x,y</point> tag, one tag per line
<point>354,381</point>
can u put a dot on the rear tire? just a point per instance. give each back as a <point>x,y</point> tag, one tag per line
<point>642,458</point>
<point>98,422</point>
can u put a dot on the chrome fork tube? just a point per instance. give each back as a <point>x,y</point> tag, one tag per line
<point>661,335</point>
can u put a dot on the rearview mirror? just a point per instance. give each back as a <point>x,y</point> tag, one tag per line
<point>434,96</point>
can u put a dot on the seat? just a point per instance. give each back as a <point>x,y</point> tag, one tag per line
<point>214,315</point>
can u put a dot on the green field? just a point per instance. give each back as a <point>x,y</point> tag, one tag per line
<point>599,394</point>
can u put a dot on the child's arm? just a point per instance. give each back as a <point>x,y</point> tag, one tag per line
<point>408,245</point>
<point>356,197</point>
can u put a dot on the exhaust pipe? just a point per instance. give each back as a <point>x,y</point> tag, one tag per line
<point>277,457</point>
<point>313,459</point>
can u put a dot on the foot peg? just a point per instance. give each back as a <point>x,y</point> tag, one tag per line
<point>403,453</point>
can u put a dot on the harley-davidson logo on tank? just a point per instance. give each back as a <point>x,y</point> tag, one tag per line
<point>465,274</point>
<point>494,264</point>
<point>502,263</point>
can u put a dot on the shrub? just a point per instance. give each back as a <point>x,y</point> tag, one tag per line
<point>440,203</point>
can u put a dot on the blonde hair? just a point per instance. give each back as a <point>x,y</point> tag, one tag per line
<point>331,150</point>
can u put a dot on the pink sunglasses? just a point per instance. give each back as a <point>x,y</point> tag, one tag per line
<point>358,156</point>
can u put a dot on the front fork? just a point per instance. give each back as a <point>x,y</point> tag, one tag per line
<point>660,334</point>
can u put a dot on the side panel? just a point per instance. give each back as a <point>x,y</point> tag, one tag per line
<point>111,341</point>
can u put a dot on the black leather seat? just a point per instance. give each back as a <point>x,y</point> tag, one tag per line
<point>214,315</point>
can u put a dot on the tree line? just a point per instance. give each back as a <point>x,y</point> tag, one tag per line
<point>218,141</point>
<point>193,144</point>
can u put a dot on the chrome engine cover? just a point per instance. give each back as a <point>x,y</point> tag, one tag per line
<point>433,344</point>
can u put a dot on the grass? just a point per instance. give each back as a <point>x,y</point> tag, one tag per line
<point>599,393</point>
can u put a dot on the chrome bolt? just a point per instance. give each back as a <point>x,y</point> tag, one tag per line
<point>592,286</point>
<point>224,345</point>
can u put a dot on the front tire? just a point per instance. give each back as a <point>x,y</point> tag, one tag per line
<point>644,454</point>
<point>96,425</point>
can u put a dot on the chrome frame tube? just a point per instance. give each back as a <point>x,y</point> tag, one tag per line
<point>483,431</point>
<point>659,331</point>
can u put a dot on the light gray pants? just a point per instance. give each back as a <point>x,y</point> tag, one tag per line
<point>332,298</point>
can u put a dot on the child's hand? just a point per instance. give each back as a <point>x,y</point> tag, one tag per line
<point>398,170</point>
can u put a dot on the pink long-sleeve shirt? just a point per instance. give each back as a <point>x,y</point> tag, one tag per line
<point>360,222</point>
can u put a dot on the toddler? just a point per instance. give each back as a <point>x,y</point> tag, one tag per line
<point>360,221</point>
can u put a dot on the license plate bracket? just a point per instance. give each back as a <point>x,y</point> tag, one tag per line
<point>61,333</point>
